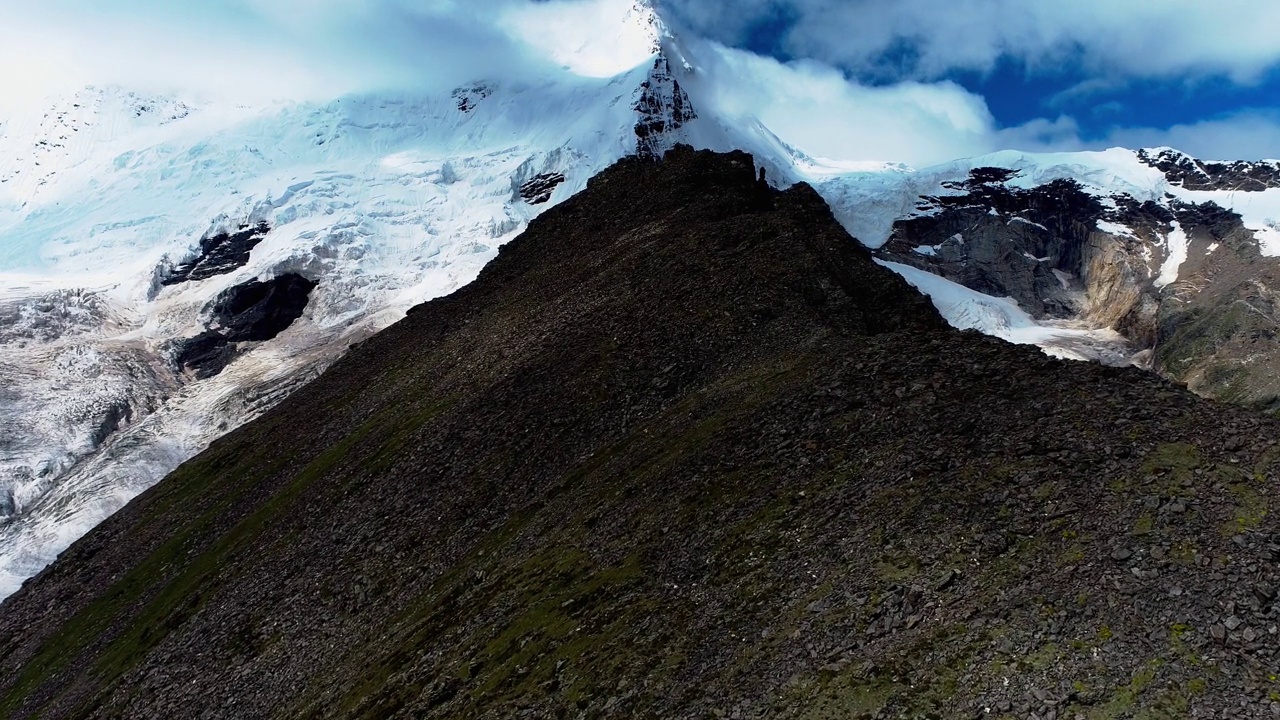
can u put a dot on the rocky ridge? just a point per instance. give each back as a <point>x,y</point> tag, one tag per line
<point>1195,174</point>
<point>683,450</point>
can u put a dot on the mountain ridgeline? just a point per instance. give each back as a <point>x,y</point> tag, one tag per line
<point>682,450</point>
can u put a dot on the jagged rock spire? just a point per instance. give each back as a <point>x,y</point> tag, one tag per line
<point>663,108</point>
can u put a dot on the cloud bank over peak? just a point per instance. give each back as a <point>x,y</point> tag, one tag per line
<point>815,108</point>
<point>254,50</point>
<point>1095,54</point>
<point>851,80</point>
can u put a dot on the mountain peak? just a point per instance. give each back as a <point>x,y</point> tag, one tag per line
<point>601,38</point>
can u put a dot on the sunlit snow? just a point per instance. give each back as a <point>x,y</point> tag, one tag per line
<point>1176,249</point>
<point>967,309</point>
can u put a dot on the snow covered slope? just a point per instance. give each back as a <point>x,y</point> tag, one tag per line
<point>108,200</point>
<point>870,201</point>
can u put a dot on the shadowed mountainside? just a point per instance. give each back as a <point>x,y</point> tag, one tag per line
<point>682,450</point>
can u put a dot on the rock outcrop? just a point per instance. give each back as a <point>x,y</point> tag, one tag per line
<point>251,312</point>
<point>220,253</point>
<point>1194,174</point>
<point>663,108</point>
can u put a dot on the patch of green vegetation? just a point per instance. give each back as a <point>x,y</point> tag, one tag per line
<point>1144,525</point>
<point>429,615</point>
<point>1251,508</point>
<point>922,680</point>
<point>559,589</point>
<point>1175,464</point>
<point>846,697</point>
<point>1044,657</point>
<point>1143,697</point>
<point>567,611</point>
<point>897,568</point>
<point>1179,648</point>
<point>1124,701</point>
<point>1184,552</point>
<point>1073,555</point>
<point>397,434</point>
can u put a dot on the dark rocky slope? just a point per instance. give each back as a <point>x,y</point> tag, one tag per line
<point>1195,174</point>
<point>682,450</point>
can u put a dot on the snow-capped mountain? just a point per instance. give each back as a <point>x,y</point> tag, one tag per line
<point>141,241</point>
<point>171,267</point>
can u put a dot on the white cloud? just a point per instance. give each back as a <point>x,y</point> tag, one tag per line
<point>252,49</point>
<point>1242,136</point>
<point>817,109</point>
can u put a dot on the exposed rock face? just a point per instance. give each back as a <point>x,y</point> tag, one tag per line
<point>1194,174</point>
<point>538,190</point>
<point>251,312</point>
<point>470,96</point>
<point>1217,325</point>
<point>1003,240</point>
<point>1063,253</point>
<point>663,107</point>
<point>682,450</point>
<point>220,254</point>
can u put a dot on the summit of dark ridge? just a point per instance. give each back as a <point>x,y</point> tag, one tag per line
<point>682,450</point>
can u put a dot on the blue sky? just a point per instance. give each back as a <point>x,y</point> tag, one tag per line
<point>1016,97</point>
<point>1098,72</point>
